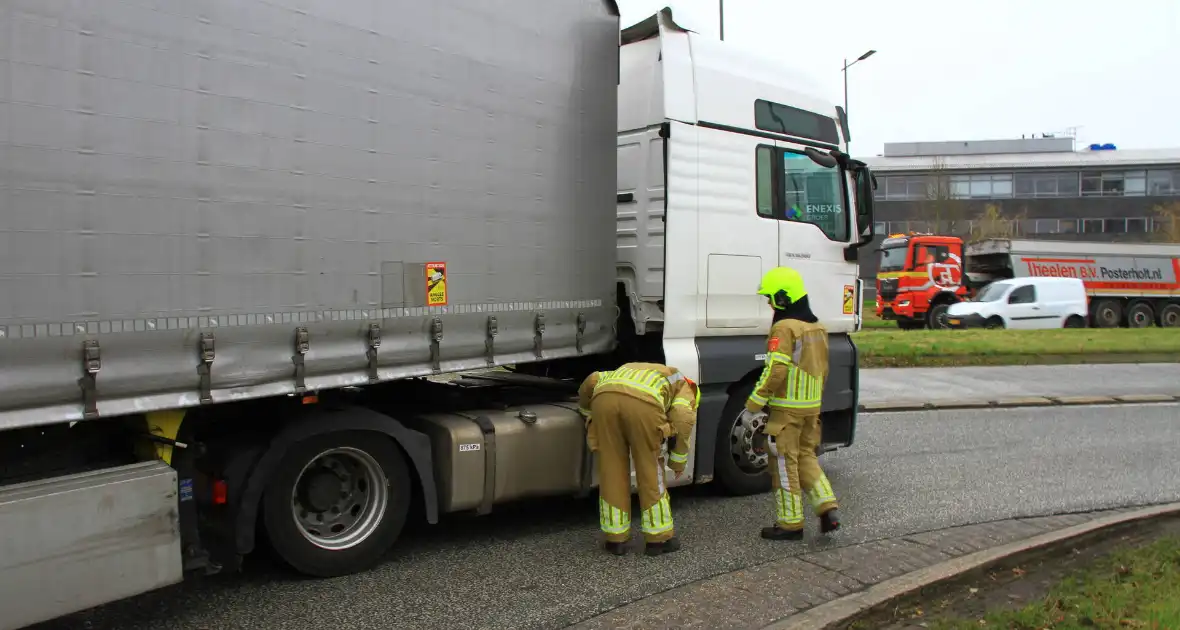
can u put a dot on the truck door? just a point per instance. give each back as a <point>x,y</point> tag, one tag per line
<point>814,208</point>
<point>737,243</point>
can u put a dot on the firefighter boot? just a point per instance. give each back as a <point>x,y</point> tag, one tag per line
<point>616,548</point>
<point>829,521</point>
<point>668,546</point>
<point>774,532</point>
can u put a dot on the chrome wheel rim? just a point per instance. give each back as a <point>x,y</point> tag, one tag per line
<point>339,498</point>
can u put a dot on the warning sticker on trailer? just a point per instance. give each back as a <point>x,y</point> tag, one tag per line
<point>849,299</point>
<point>436,284</point>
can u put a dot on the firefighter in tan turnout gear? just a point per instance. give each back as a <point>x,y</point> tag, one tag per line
<point>631,412</point>
<point>791,386</point>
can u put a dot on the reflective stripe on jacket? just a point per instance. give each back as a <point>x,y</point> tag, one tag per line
<point>795,380</point>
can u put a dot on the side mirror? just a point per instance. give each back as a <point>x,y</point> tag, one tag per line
<point>865,185</point>
<point>823,159</point>
<point>842,118</point>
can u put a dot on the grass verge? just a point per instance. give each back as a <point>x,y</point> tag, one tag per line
<point>882,344</point>
<point>897,348</point>
<point>1131,588</point>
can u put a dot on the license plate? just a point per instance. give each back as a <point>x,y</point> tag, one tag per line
<point>955,321</point>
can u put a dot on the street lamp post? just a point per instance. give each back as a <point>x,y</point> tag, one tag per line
<point>721,10</point>
<point>845,70</point>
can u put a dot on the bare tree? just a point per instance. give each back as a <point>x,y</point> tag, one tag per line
<point>1167,223</point>
<point>994,223</point>
<point>943,212</point>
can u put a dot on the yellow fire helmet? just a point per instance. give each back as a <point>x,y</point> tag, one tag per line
<point>783,286</point>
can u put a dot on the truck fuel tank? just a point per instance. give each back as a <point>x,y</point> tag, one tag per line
<point>489,456</point>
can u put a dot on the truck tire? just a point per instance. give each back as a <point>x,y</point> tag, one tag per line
<point>1075,321</point>
<point>337,502</point>
<point>1140,315</point>
<point>1169,316</point>
<point>994,322</point>
<point>734,472</point>
<point>936,316</point>
<point>1106,314</point>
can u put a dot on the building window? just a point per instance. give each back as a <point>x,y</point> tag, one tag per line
<point>1161,183</point>
<point>1091,226</point>
<point>1115,226</point>
<point>1112,183</point>
<point>906,187</point>
<point>984,186</point>
<point>1046,184</point>
<point>1137,226</point>
<point>1135,183</point>
<point>1067,226</point>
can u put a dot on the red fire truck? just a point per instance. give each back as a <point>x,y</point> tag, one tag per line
<point>918,277</point>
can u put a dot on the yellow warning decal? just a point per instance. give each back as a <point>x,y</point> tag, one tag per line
<point>436,284</point>
<point>849,299</point>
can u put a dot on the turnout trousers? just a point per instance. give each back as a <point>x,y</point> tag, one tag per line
<point>629,430</point>
<point>792,439</point>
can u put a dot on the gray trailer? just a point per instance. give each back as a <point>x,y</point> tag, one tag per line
<point>213,212</point>
<point>1129,284</point>
<point>287,267</point>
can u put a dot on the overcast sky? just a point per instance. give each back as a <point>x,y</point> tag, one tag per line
<point>970,69</point>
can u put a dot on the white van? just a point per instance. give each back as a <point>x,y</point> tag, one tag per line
<point>1024,304</point>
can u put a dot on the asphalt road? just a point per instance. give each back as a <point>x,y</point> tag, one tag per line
<point>537,566</point>
<point>992,383</point>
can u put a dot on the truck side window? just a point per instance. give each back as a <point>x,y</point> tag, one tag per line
<point>765,182</point>
<point>791,187</point>
<point>1026,294</point>
<point>927,254</point>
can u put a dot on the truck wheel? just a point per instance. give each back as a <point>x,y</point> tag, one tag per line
<point>337,502</point>
<point>740,469</point>
<point>1169,316</point>
<point>994,323</point>
<point>1107,314</point>
<point>936,317</point>
<point>1140,315</point>
<point>1075,321</point>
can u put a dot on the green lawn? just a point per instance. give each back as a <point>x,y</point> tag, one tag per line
<point>1131,588</point>
<point>882,344</point>
<point>897,348</point>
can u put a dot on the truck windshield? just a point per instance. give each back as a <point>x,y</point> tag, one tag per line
<point>992,292</point>
<point>893,258</point>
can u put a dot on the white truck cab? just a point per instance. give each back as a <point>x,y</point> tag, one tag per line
<point>729,165</point>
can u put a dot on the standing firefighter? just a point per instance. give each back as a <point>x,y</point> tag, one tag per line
<point>631,412</point>
<point>792,385</point>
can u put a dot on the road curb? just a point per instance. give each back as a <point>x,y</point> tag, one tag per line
<point>835,613</point>
<point>1015,402</point>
